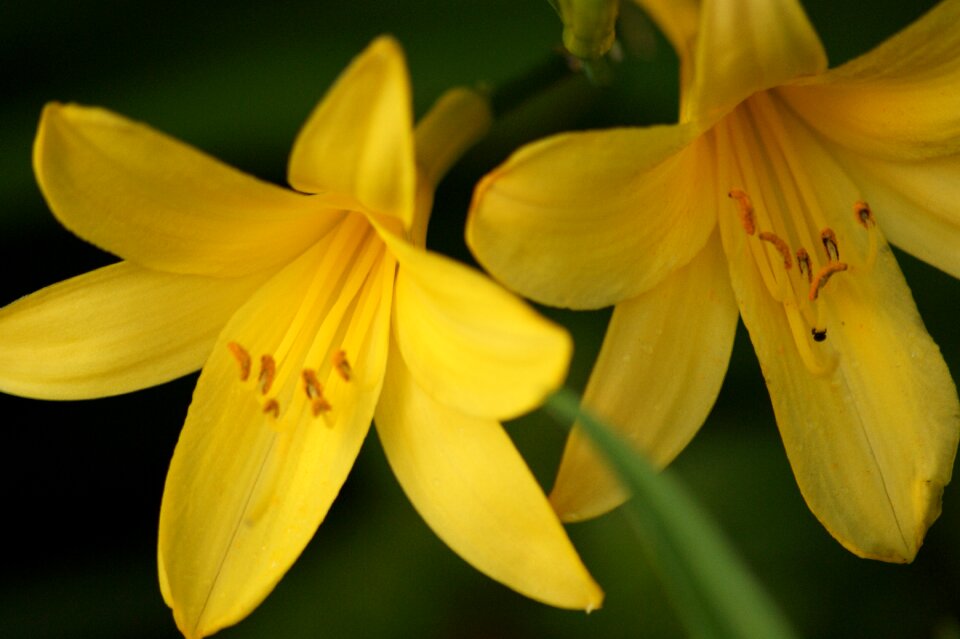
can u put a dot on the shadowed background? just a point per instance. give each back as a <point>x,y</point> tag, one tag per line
<point>82,481</point>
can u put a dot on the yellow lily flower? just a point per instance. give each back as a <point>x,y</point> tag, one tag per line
<point>308,314</point>
<point>769,195</point>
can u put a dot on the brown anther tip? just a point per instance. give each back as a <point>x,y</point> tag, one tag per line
<point>268,370</point>
<point>823,276</point>
<point>829,239</point>
<point>342,366</point>
<point>745,210</point>
<point>311,385</point>
<point>863,214</point>
<point>320,405</point>
<point>242,357</point>
<point>271,407</point>
<point>780,245</point>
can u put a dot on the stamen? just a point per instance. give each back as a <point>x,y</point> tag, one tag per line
<point>268,370</point>
<point>311,385</point>
<point>320,405</point>
<point>314,390</point>
<point>745,209</point>
<point>242,357</point>
<point>864,215</point>
<point>780,245</point>
<point>803,263</point>
<point>271,407</point>
<point>823,276</point>
<point>342,365</point>
<point>829,240</point>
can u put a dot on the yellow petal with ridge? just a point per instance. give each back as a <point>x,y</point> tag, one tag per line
<point>658,373</point>
<point>267,445</point>
<point>587,220</point>
<point>358,142</point>
<point>165,205</point>
<point>114,330</point>
<point>471,486</point>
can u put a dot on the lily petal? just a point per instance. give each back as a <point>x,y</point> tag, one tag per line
<point>256,469</point>
<point>872,436</point>
<point>471,486</point>
<point>915,202</point>
<point>359,140</point>
<point>900,101</point>
<point>470,344</point>
<point>746,46</point>
<point>632,203</point>
<point>163,204</point>
<point>658,410</point>
<point>114,330</point>
<point>893,118</point>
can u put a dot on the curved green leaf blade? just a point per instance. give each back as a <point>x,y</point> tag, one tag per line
<point>713,591</point>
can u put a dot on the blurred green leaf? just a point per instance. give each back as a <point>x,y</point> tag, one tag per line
<point>713,592</point>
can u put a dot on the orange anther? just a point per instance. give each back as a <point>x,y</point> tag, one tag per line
<point>320,405</point>
<point>268,370</point>
<point>271,407</point>
<point>745,209</point>
<point>780,245</point>
<point>242,357</point>
<point>829,240</point>
<point>312,385</point>
<point>863,214</point>
<point>823,276</point>
<point>342,365</point>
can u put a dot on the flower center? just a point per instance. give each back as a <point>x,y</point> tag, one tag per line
<point>302,357</point>
<point>779,211</point>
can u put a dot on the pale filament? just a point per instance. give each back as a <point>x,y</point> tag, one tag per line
<point>782,233</point>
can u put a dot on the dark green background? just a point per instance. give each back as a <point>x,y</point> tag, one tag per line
<point>82,480</point>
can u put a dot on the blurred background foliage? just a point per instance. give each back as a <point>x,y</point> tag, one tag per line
<point>82,481</point>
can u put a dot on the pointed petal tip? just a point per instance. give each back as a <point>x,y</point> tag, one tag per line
<point>904,547</point>
<point>359,140</point>
<point>573,506</point>
<point>387,45</point>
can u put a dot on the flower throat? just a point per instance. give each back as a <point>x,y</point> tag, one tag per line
<point>790,238</point>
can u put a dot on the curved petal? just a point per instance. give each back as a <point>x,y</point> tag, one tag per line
<point>657,376</point>
<point>359,140</point>
<point>917,203</point>
<point>114,330</point>
<point>900,101</point>
<point>745,46</point>
<point>470,344</point>
<point>471,486</point>
<point>587,220</point>
<point>871,430</point>
<point>162,204</point>
<point>893,118</point>
<point>259,461</point>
